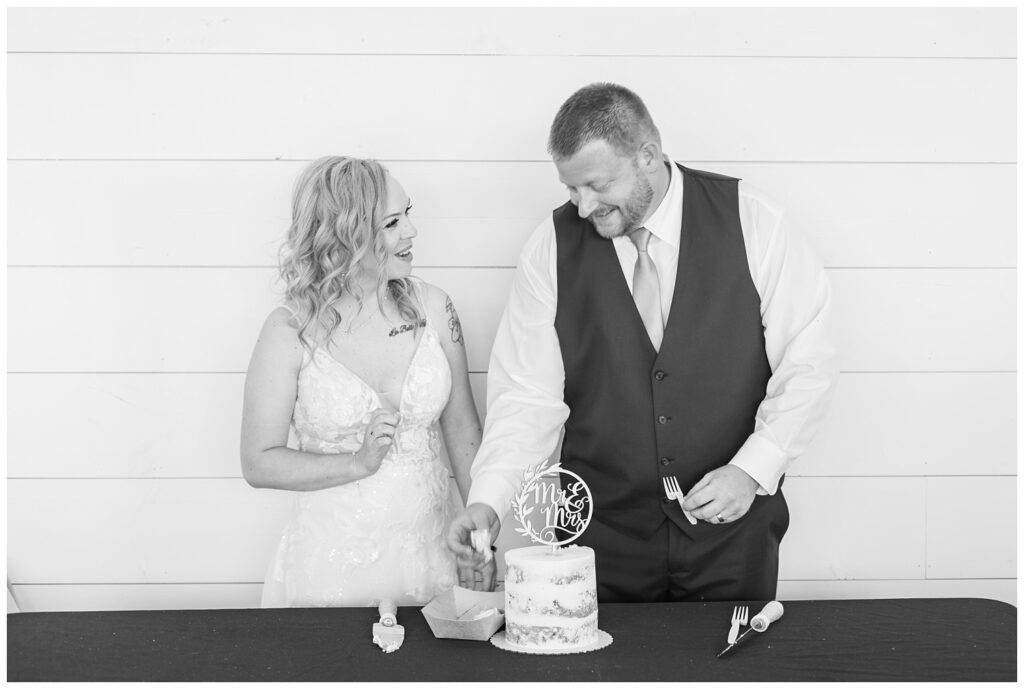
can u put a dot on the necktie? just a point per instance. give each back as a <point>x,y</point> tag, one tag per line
<point>646,288</point>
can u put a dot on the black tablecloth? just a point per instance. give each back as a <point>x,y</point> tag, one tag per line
<point>899,639</point>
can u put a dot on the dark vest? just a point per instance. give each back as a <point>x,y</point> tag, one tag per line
<point>637,415</point>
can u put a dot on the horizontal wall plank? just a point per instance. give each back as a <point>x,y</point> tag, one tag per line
<point>186,425</point>
<point>915,215</point>
<point>124,425</point>
<point>791,109</point>
<point>925,32</point>
<point>139,319</point>
<point>142,531</point>
<point>225,213</point>
<point>926,320</point>
<point>75,597</point>
<point>61,597</point>
<point>995,589</point>
<point>854,528</point>
<point>972,526</point>
<point>206,320</point>
<point>917,424</point>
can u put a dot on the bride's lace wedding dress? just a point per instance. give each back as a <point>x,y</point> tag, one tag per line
<point>381,537</point>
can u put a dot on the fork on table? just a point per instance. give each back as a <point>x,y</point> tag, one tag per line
<point>739,619</point>
<point>673,492</point>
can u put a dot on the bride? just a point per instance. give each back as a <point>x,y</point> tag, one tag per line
<point>363,363</point>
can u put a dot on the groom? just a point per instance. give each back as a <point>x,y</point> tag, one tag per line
<point>672,326</point>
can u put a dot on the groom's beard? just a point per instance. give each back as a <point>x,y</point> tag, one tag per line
<point>630,214</point>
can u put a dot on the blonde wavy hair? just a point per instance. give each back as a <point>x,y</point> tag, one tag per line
<point>337,209</point>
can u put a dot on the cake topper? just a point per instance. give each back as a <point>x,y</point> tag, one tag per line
<point>563,505</point>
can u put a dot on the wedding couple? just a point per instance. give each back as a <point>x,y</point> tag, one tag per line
<point>662,323</point>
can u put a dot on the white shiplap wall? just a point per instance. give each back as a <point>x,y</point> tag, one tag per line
<point>151,155</point>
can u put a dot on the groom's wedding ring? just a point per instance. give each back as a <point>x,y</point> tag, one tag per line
<point>719,518</point>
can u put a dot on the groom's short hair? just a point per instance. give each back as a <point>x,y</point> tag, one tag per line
<point>601,111</point>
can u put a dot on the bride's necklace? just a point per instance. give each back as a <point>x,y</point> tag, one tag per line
<point>355,324</point>
<point>398,330</point>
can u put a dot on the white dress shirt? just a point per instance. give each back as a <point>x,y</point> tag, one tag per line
<point>526,377</point>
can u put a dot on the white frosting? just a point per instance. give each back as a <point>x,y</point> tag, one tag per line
<point>550,597</point>
<point>542,557</point>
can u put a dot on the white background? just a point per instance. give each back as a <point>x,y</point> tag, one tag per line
<point>151,154</point>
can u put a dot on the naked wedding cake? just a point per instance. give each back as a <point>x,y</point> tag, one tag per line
<point>550,598</point>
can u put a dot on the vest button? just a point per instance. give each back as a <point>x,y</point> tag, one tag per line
<point>659,375</point>
<point>665,461</point>
<point>662,419</point>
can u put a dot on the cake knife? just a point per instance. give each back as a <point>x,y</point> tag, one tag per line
<point>770,613</point>
<point>387,633</point>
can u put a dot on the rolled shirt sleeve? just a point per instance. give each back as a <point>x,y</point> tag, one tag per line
<point>800,340</point>
<point>525,380</point>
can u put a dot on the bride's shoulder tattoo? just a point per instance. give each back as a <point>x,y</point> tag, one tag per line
<point>406,327</point>
<point>453,322</point>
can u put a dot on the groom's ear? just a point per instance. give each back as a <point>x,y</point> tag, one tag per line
<point>649,156</point>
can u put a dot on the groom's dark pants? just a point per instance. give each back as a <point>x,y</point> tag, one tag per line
<point>734,561</point>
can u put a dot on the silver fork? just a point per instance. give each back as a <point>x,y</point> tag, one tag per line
<point>673,492</point>
<point>739,619</point>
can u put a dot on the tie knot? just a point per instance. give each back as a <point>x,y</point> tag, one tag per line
<point>640,237</point>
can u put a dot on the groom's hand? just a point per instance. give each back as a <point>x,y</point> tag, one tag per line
<point>477,576</point>
<point>477,516</point>
<point>727,491</point>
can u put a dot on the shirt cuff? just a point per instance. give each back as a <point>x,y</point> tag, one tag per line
<point>493,492</point>
<point>763,462</point>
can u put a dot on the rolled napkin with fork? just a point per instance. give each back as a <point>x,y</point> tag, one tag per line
<point>770,613</point>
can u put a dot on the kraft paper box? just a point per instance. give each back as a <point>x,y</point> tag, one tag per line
<point>450,615</point>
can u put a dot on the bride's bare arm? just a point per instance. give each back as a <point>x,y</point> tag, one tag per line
<point>270,389</point>
<point>460,422</point>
